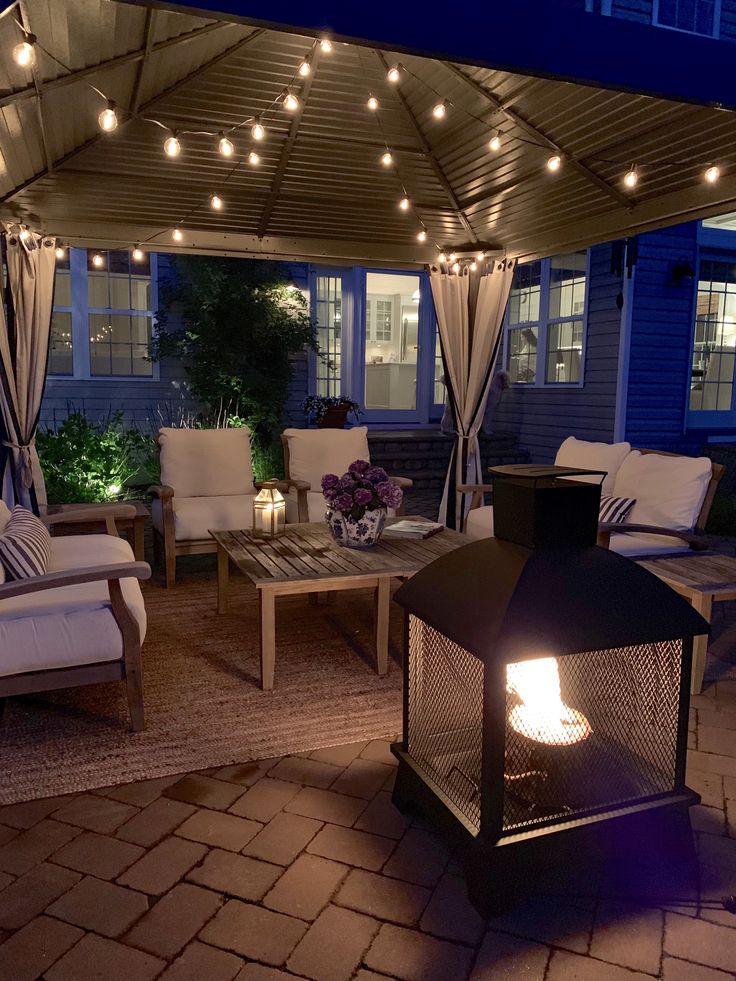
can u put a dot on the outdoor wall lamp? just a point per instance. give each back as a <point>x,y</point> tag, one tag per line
<point>682,273</point>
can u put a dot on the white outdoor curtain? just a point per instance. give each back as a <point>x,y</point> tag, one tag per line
<point>470,309</point>
<point>24,345</point>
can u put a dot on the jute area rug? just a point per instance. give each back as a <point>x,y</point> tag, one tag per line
<point>204,706</point>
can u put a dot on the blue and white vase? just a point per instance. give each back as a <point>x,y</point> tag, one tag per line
<point>356,533</point>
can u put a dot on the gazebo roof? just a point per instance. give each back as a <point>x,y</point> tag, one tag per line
<point>320,191</point>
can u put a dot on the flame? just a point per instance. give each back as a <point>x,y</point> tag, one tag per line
<point>541,715</point>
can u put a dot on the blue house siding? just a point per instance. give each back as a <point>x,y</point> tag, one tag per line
<point>660,342</point>
<point>541,418</point>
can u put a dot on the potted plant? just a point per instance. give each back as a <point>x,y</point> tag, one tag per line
<point>357,503</point>
<point>330,411</point>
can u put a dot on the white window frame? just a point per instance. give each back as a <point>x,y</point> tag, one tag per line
<point>542,326</point>
<point>81,309</point>
<point>716,33</point>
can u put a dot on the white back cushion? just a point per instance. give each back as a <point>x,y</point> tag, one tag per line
<point>206,462</point>
<point>315,452</point>
<point>594,456</point>
<point>669,490</point>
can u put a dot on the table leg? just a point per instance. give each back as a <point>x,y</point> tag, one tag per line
<point>223,578</point>
<point>382,605</point>
<point>139,527</point>
<point>703,603</point>
<point>268,637</point>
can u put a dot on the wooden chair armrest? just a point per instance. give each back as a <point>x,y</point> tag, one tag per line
<point>285,485</point>
<point>75,577</point>
<point>85,515</point>
<point>403,482</point>
<point>162,491</point>
<point>607,529</point>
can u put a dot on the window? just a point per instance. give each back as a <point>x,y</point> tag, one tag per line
<point>714,342</point>
<point>328,315</point>
<point>391,341</point>
<point>102,319</point>
<point>546,316</point>
<point>694,16</point>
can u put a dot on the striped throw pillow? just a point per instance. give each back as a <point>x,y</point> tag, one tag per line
<point>25,545</point>
<point>613,510</point>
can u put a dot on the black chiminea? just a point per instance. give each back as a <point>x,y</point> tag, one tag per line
<point>546,691</point>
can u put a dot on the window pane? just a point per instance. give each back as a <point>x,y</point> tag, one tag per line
<point>564,352</point>
<point>567,285</point>
<point>97,291</point>
<point>62,284</point>
<point>714,343</point>
<point>525,294</point>
<point>60,344</point>
<point>119,344</point>
<point>119,292</point>
<point>522,359</point>
<point>392,341</point>
<point>696,16</point>
<point>140,293</point>
<point>328,312</point>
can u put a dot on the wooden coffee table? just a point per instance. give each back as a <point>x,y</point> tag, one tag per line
<point>703,579</point>
<point>307,560</point>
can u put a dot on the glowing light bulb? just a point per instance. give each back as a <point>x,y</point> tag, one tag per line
<point>387,158</point>
<point>554,162</point>
<point>216,202</point>
<point>108,118</point>
<point>177,235</point>
<point>24,53</point>
<point>291,103</point>
<point>405,204</point>
<point>631,178</point>
<point>253,158</point>
<point>97,261</point>
<point>712,174</point>
<point>326,45</point>
<point>456,268</point>
<point>440,110</point>
<point>226,146</point>
<point>481,256</point>
<point>473,266</point>
<point>138,254</point>
<point>394,74</point>
<point>453,257</point>
<point>59,251</point>
<point>24,234</point>
<point>305,69</point>
<point>442,257</point>
<point>494,144</point>
<point>422,236</point>
<point>172,146</point>
<point>372,103</point>
<point>258,131</point>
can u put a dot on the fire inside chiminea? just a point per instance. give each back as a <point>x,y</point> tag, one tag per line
<point>546,688</point>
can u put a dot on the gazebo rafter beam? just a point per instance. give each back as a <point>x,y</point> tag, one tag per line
<point>431,156</point>
<point>537,134</point>
<point>143,64</point>
<point>286,149</point>
<point>38,91</point>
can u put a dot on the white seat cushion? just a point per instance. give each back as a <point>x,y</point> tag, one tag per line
<point>195,517</point>
<point>640,544</point>
<point>594,456</point>
<point>479,522</point>
<point>72,625</point>
<point>669,490</point>
<point>206,462</point>
<point>315,452</point>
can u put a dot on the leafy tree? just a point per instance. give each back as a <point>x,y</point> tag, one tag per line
<point>242,322</point>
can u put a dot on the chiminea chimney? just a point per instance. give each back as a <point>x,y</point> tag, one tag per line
<point>546,690</point>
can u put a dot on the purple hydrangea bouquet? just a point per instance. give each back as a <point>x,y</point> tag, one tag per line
<point>357,503</point>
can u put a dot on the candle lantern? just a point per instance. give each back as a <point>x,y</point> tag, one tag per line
<point>269,511</point>
<point>545,696</point>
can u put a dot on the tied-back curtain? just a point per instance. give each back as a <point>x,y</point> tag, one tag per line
<point>24,346</point>
<point>470,310</point>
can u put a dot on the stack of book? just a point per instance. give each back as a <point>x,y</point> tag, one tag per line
<point>408,528</point>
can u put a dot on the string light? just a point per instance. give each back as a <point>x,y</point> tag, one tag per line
<point>387,158</point>
<point>494,144</point>
<point>481,256</point>
<point>453,257</point>
<point>554,162</point>
<point>305,69</point>
<point>60,251</point>
<point>258,132</point>
<point>24,53</point>
<point>253,158</point>
<point>394,74</point>
<point>138,254</point>
<point>97,261</point>
<point>439,111</point>
<point>108,118</point>
<point>372,103</point>
<point>473,266</point>
<point>712,174</point>
<point>172,146</point>
<point>631,178</point>
<point>405,203</point>
<point>24,234</point>
<point>326,45</point>
<point>216,202</point>
<point>456,268</point>
<point>422,236</point>
<point>226,146</point>
<point>442,257</point>
<point>177,235</point>
<point>291,103</point>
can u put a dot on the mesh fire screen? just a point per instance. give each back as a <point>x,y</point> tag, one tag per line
<point>583,733</point>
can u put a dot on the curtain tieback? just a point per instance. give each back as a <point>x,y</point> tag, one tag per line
<point>26,465</point>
